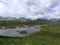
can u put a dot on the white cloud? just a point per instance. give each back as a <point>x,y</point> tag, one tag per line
<point>30,8</point>
<point>2,8</point>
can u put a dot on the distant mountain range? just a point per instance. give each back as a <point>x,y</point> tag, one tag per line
<point>55,19</point>
<point>14,19</point>
<point>6,18</point>
<point>24,19</point>
<point>41,20</point>
<point>48,20</point>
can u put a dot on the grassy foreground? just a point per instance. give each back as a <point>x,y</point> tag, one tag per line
<point>49,35</point>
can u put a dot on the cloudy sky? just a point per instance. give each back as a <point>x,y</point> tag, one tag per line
<point>30,8</point>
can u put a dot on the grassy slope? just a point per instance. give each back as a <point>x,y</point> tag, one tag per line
<point>49,35</point>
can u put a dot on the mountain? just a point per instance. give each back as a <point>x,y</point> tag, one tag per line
<point>48,20</point>
<point>6,18</point>
<point>22,19</point>
<point>55,19</point>
<point>41,20</point>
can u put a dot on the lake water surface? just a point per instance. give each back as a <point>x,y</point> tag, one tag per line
<point>16,31</point>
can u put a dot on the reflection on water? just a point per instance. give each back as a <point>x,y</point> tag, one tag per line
<point>18,32</point>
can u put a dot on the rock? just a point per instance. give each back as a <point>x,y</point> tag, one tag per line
<point>3,27</point>
<point>23,32</point>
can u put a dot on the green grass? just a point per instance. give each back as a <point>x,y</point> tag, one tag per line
<point>49,35</point>
<point>13,24</point>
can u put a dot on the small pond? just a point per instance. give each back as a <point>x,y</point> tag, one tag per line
<point>18,32</point>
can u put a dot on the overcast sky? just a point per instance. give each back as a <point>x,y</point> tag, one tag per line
<point>30,8</point>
